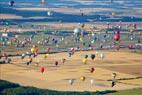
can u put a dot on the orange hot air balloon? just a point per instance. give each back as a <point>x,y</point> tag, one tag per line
<point>117,36</point>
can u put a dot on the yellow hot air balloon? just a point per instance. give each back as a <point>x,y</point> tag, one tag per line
<point>33,50</point>
<point>83,78</point>
<point>46,55</point>
<point>85,61</point>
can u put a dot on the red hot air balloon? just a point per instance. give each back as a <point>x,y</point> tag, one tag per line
<point>42,69</point>
<point>92,70</point>
<point>117,36</point>
<point>56,63</point>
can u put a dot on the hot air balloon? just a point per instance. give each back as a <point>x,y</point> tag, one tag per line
<point>113,14</point>
<point>131,46</point>
<point>117,36</point>
<point>86,56</point>
<point>49,13</point>
<point>77,31</point>
<point>102,56</point>
<point>82,78</point>
<point>135,26</point>
<point>34,50</point>
<point>93,34</point>
<point>42,69</point>
<point>131,37</point>
<point>113,83</point>
<point>29,60</point>
<point>63,60</point>
<point>46,55</point>
<point>28,54</point>
<point>85,61</point>
<point>93,41</point>
<point>71,81</point>
<point>11,3</point>
<point>83,25</point>
<point>92,81</point>
<point>92,69</point>
<point>23,56</point>
<point>93,56</point>
<point>114,75</point>
<point>56,63</point>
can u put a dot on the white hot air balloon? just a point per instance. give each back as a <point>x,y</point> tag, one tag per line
<point>23,56</point>
<point>27,53</point>
<point>102,56</point>
<point>92,81</point>
<point>77,31</point>
<point>49,13</point>
<point>93,34</point>
<point>16,36</point>
<point>71,81</point>
<point>93,41</point>
<point>62,39</point>
<point>131,38</point>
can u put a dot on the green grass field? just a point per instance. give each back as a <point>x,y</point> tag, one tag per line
<point>137,91</point>
<point>8,88</point>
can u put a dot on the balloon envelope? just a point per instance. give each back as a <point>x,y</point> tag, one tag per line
<point>92,81</point>
<point>85,61</point>
<point>71,81</point>
<point>82,78</point>
<point>93,56</point>
<point>77,30</point>
<point>117,36</point>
